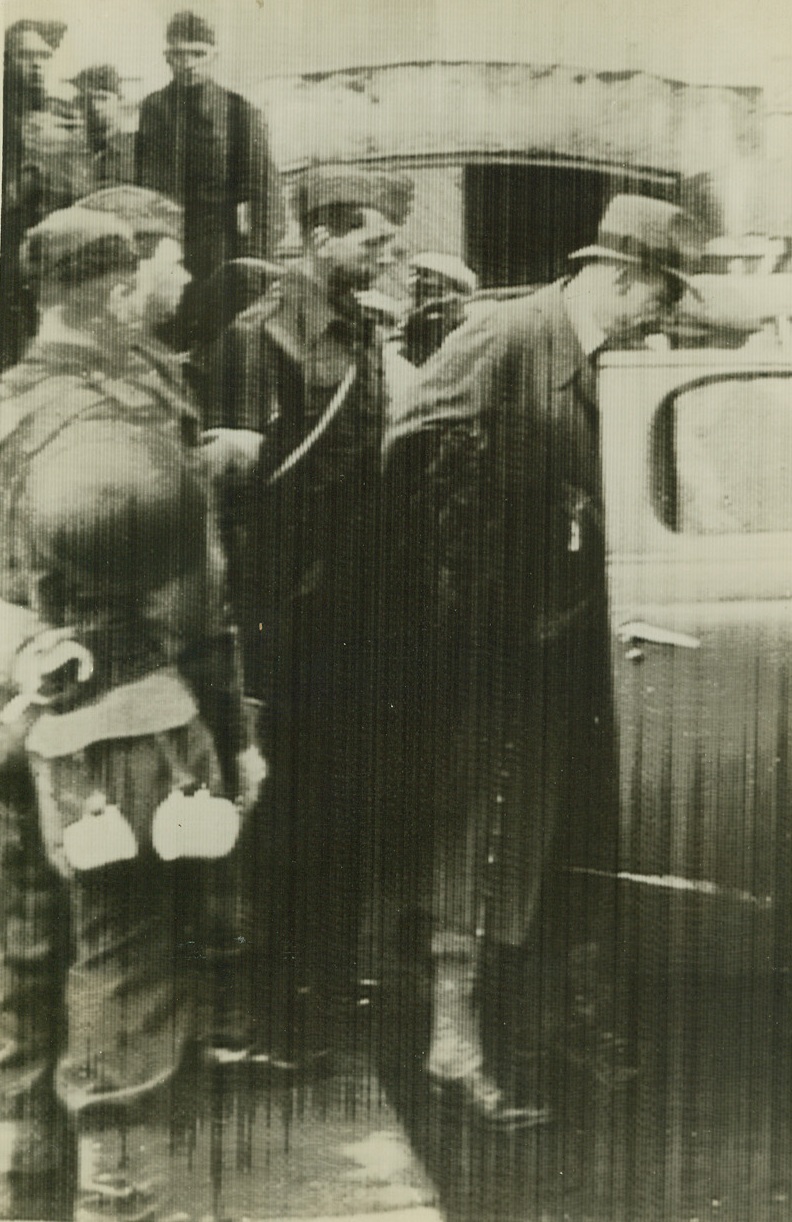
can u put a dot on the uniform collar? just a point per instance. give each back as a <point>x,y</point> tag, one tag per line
<point>306,313</point>
<point>72,354</point>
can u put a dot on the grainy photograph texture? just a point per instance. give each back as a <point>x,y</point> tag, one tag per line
<point>396,611</point>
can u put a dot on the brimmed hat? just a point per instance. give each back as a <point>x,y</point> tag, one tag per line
<point>326,186</point>
<point>649,233</point>
<point>99,78</point>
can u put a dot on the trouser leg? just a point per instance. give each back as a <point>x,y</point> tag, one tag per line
<point>35,1149</point>
<point>456,1049</point>
<point>129,1006</point>
<point>131,1011</point>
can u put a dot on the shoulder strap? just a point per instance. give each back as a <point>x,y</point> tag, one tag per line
<point>322,425</point>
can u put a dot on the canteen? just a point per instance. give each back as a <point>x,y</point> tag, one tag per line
<point>100,837</point>
<point>195,825</point>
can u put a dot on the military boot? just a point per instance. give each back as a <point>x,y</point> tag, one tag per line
<point>123,1173</point>
<point>456,1054</point>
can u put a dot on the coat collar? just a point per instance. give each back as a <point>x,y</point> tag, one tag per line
<point>567,354</point>
<point>205,96</point>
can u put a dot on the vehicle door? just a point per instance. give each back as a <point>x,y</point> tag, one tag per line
<point>697,464</point>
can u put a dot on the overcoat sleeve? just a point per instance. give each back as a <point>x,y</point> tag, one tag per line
<point>440,497</point>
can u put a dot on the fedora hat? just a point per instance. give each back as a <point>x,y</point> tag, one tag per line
<point>649,233</point>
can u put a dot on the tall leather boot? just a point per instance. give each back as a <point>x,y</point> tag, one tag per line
<point>129,1168</point>
<point>456,1054</point>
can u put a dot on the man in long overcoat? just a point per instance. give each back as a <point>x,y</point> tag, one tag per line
<point>499,635</point>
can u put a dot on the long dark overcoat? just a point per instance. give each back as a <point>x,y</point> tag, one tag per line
<point>496,634</point>
<point>207,147</point>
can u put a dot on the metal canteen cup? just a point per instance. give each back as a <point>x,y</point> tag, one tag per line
<point>195,825</point>
<point>100,837</point>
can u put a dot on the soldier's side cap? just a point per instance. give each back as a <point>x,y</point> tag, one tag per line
<point>650,232</point>
<point>49,32</point>
<point>74,244</point>
<point>450,267</point>
<point>98,78</point>
<point>189,27</point>
<point>144,211</point>
<point>329,185</point>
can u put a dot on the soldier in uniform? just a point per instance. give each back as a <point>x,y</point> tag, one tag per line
<point>108,540</point>
<point>306,400</point>
<point>46,165</point>
<point>111,142</point>
<point>500,618</point>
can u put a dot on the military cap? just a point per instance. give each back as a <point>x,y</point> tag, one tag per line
<point>99,78</point>
<point>50,32</point>
<point>329,185</point>
<point>77,244</point>
<point>145,212</point>
<point>188,27</point>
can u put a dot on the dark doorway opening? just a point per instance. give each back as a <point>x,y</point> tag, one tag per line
<point>522,221</point>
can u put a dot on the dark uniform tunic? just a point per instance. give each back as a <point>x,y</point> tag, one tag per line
<point>306,595</point>
<point>498,624</point>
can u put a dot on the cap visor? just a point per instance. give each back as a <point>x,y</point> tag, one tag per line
<point>264,265</point>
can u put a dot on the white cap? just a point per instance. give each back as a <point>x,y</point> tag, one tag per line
<point>449,266</point>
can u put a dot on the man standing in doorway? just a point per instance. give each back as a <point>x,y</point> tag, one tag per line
<point>499,612</point>
<point>207,147</point>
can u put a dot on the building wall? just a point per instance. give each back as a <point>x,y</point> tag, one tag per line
<point>425,110</point>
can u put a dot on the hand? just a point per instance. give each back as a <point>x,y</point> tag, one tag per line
<point>230,451</point>
<point>252,772</point>
<point>243,219</point>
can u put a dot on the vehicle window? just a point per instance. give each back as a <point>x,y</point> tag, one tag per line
<point>723,450</point>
